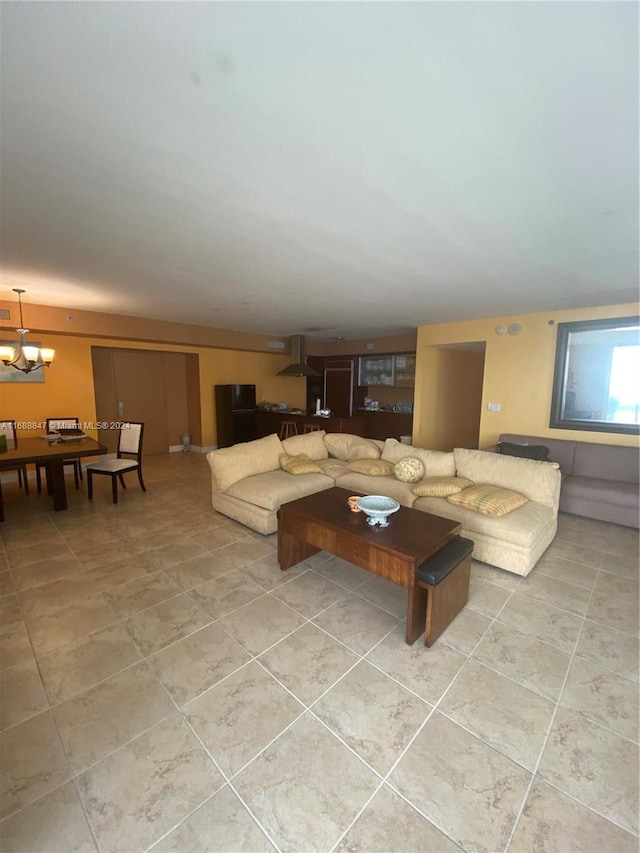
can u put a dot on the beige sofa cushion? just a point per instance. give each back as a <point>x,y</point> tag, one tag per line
<point>299,464</point>
<point>275,488</point>
<point>311,443</point>
<point>538,481</point>
<point>436,463</point>
<point>372,467</point>
<point>347,447</point>
<point>438,487</point>
<point>230,464</point>
<point>489,500</point>
<point>367,485</point>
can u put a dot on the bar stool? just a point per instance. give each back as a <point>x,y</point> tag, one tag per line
<point>288,429</point>
<point>310,428</point>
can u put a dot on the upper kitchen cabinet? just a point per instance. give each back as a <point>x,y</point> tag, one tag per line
<point>388,370</point>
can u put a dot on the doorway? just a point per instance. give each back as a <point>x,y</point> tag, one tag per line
<point>160,389</point>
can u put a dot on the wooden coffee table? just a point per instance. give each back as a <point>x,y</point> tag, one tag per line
<point>324,522</point>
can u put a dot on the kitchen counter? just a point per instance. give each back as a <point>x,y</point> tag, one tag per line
<point>383,425</point>
<point>269,422</point>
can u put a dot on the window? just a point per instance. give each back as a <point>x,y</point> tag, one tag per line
<point>596,385</point>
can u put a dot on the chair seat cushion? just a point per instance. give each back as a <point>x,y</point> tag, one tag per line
<point>113,466</point>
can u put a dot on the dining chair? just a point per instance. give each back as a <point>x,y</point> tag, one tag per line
<point>8,429</point>
<point>129,445</point>
<point>53,424</point>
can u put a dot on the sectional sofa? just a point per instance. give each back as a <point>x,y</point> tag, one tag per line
<point>249,485</point>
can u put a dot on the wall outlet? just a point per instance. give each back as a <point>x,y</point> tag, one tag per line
<point>493,407</point>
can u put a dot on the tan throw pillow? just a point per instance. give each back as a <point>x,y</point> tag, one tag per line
<point>299,464</point>
<point>409,470</point>
<point>372,467</point>
<point>489,500</point>
<point>346,446</point>
<point>440,487</point>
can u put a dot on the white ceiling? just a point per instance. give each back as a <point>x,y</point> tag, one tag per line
<point>337,169</point>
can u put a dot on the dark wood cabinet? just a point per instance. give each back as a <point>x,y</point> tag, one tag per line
<point>270,422</point>
<point>383,425</point>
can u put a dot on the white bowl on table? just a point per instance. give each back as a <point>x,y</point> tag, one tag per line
<point>377,508</point>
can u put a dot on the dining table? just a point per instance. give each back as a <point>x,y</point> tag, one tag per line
<point>52,454</point>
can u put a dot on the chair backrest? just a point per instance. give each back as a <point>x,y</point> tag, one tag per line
<point>8,429</point>
<point>54,424</point>
<point>130,439</point>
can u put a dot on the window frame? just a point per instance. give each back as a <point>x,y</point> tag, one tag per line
<point>557,421</point>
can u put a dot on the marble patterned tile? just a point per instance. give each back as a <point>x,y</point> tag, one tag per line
<point>77,667</point>
<point>261,623</point>
<point>55,824</point>
<point>147,591</point>
<point>21,693</point>
<point>390,823</point>
<point>373,714</point>
<point>466,631</point>
<point>509,717</point>
<point>198,571</point>
<point>55,596</point>
<point>308,662</point>
<point>103,718</point>
<point>575,552</point>
<point>546,621</point>
<point>221,825</point>
<point>562,569</point>
<point>190,666</point>
<point>239,554</point>
<point>470,791</point>
<point>341,572</point>
<point>27,554</point>
<point>385,595</point>
<point>426,672</point>
<point>97,556</point>
<point>602,696</point>
<point>45,571</point>
<point>309,594</point>
<point>610,649</point>
<point>216,538</point>
<point>227,593</point>
<point>487,598</point>
<point>552,821</point>
<point>75,622</point>
<point>494,575</point>
<point>170,555</point>
<point>6,582</point>
<point>356,623</point>
<point>239,717</point>
<point>306,765</point>
<point>612,584</point>
<point>524,659</point>
<point>115,572</point>
<point>10,611</point>
<point>33,763</point>
<point>156,627</point>
<point>15,646</point>
<point>267,573</point>
<point>138,794</point>
<point>594,766</point>
<point>616,611</point>
<point>625,567</point>
<point>559,593</point>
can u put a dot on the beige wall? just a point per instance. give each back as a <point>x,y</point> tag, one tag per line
<point>518,374</point>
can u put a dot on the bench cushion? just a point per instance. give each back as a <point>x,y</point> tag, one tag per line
<point>444,561</point>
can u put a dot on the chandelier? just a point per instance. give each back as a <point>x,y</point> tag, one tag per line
<point>23,356</point>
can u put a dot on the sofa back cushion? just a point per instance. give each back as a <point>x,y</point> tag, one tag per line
<point>311,443</point>
<point>230,464</point>
<point>538,481</point>
<point>436,463</point>
<point>345,446</point>
<point>606,462</point>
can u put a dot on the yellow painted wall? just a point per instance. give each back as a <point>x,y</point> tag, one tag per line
<point>68,386</point>
<point>518,374</point>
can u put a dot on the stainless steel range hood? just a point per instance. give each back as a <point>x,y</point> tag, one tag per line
<point>298,368</point>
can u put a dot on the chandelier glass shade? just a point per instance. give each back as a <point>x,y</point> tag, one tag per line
<point>23,356</point>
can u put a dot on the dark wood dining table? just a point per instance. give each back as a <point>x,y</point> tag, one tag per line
<point>51,455</point>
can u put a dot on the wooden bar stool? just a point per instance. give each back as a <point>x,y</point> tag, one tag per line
<point>288,429</point>
<point>310,428</point>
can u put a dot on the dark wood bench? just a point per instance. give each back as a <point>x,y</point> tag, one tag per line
<point>445,576</point>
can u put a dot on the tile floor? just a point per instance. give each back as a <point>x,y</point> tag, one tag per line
<point>166,687</point>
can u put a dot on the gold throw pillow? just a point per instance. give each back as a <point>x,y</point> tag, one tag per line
<point>372,467</point>
<point>489,500</point>
<point>440,487</point>
<point>299,464</point>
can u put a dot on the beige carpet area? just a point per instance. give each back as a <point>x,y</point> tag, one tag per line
<point>166,687</point>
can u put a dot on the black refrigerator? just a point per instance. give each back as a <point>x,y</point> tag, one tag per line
<point>235,414</point>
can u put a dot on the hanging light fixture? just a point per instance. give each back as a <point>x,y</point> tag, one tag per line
<point>25,357</point>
